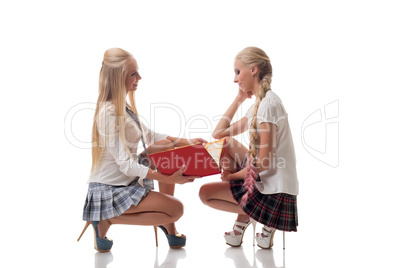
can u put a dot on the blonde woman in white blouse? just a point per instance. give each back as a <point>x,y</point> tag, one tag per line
<point>259,183</point>
<point>121,183</point>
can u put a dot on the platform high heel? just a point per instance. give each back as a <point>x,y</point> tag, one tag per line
<point>266,241</point>
<point>236,240</point>
<point>101,244</point>
<point>175,241</point>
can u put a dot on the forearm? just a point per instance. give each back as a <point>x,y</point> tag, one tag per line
<point>266,151</point>
<point>176,177</point>
<point>155,175</point>
<point>238,175</point>
<point>226,119</point>
<point>178,142</point>
<point>262,164</point>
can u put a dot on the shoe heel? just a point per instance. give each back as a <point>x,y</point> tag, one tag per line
<point>283,239</point>
<point>83,231</point>
<point>156,235</point>
<point>254,223</point>
<point>101,244</point>
<point>271,242</point>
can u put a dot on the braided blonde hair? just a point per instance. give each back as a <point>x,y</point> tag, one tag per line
<point>253,56</point>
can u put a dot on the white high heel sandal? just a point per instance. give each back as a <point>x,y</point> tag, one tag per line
<point>236,240</point>
<point>267,241</point>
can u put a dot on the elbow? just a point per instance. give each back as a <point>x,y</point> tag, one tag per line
<point>261,169</point>
<point>217,135</point>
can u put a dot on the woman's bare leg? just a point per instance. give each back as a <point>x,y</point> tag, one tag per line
<point>165,188</point>
<point>218,194</point>
<point>235,152</point>
<point>159,146</point>
<point>169,190</point>
<point>154,209</point>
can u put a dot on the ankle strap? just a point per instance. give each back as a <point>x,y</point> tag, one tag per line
<point>267,230</point>
<point>239,223</point>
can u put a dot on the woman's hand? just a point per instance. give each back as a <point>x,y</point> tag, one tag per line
<point>197,140</point>
<point>178,142</point>
<point>242,96</point>
<point>225,175</point>
<point>177,177</point>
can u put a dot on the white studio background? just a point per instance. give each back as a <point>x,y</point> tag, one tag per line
<point>337,68</point>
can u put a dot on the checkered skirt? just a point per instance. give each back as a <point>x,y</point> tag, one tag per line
<point>274,210</point>
<point>108,201</point>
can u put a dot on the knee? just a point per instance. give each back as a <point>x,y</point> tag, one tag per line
<point>233,144</point>
<point>203,194</point>
<point>177,210</point>
<point>165,144</point>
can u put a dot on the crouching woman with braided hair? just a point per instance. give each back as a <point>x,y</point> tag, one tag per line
<point>260,183</point>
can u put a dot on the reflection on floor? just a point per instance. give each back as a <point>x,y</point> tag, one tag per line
<point>264,257</point>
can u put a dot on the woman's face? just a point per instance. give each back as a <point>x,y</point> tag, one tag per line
<point>133,76</point>
<point>245,77</point>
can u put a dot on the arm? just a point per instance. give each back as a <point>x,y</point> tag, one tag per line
<point>151,136</point>
<point>176,177</point>
<point>267,142</point>
<point>224,128</point>
<point>127,165</point>
<point>178,142</point>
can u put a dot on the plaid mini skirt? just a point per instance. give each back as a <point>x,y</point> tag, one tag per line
<point>109,201</point>
<point>105,201</point>
<point>278,211</point>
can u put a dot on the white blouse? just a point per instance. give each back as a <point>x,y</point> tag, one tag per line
<point>281,176</point>
<point>117,166</point>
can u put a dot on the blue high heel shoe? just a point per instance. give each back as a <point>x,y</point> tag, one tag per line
<point>175,241</point>
<point>101,244</point>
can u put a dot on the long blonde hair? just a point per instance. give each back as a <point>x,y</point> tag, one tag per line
<point>253,56</point>
<point>112,88</point>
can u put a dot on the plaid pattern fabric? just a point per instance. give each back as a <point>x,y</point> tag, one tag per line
<point>274,210</point>
<point>108,201</point>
